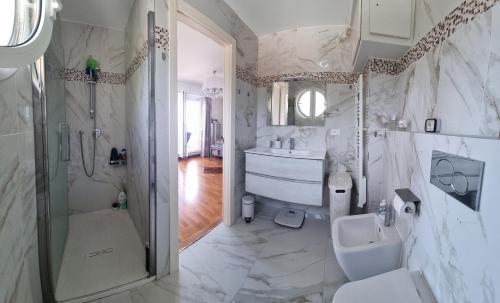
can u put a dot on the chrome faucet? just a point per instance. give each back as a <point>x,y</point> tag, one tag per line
<point>386,210</point>
<point>292,143</point>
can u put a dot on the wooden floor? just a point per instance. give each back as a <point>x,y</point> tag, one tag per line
<point>200,198</point>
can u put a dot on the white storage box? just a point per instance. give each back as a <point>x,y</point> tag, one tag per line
<point>340,186</point>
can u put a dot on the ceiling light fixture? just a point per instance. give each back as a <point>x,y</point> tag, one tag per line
<point>213,86</point>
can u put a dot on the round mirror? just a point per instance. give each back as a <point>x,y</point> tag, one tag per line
<point>311,103</point>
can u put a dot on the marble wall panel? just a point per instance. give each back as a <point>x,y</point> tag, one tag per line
<point>137,116</point>
<point>453,83</point>
<point>450,243</point>
<point>163,106</point>
<point>107,46</point>
<point>137,138</point>
<point>306,49</point>
<point>101,190</point>
<point>454,246</point>
<point>19,275</point>
<point>490,109</point>
<point>136,31</point>
<point>245,133</point>
<point>82,40</point>
<point>428,13</point>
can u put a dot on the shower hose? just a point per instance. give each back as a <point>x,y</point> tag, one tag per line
<point>94,135</point>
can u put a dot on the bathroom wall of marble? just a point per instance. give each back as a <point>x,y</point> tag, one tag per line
<point>307,49</point>
<point>107,46</point>
<point>450,243</point>
<point>246,132</point>
<point>19,273</point>
<point>381,104</point>
<point>454,246</point>
<point>136,31</point>
<point>340,115</point>
<point>428,13</point>
<point>163,106</point>
<point>454,83</point>
<point>137,115</point>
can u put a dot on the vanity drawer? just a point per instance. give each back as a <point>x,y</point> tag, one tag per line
<point>282,167</point>
<point>308,193</point>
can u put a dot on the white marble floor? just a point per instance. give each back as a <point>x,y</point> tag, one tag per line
<point>103,250</point>
<point>257,262</point>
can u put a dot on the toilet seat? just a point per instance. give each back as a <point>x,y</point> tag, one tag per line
<point>393,287</point>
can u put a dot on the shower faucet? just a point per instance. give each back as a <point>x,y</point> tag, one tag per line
<point>97,132</point>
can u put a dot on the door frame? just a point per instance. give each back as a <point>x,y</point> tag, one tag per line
<point>179,10</point>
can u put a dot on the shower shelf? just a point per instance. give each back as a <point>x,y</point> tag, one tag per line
<point>118,162</point>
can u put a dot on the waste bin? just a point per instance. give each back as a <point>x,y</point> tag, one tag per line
<point>248,208</point>
<point>340,186</point>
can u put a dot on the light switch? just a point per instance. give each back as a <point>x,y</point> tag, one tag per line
<point>335,132</point>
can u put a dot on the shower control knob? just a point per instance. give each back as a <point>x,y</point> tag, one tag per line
<point>97,132</point>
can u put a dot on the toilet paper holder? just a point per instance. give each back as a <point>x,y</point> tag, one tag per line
<point>408,196</point>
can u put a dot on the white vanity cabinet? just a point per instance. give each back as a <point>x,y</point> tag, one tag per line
<point>291,178</point>
<point>385,29</point>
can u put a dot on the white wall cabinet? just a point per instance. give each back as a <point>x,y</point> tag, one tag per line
<point>385,29</point>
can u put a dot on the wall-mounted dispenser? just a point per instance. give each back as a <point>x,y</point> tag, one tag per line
<point>410,203</point>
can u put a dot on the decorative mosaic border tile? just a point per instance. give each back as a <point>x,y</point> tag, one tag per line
<point>162,37</point>
<point>384,66</point>
<point>102,77</point>
<point>247,75</point>
<point>329,77</point>
<point>139,59</point>
<point>462,14</point>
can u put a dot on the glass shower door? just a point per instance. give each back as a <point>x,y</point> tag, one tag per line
<point>58,155</point>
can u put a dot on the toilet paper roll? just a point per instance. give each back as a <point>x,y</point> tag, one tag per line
<point>403,208</point>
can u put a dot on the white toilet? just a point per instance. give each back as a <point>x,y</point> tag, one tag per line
<point>392,287</point>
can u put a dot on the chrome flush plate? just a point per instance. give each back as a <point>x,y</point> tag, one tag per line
<point>458,176</point>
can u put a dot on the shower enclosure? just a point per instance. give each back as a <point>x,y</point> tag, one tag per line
<point>89,246</point>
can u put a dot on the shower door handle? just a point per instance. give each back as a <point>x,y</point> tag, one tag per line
<point>64,142</point>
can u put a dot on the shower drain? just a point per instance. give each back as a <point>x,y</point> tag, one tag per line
<point>97,253</point>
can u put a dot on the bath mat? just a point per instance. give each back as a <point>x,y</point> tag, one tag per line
<point>212,170</point>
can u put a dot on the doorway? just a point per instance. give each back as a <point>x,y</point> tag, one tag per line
<point>200,133</point>
<point>181,11</point>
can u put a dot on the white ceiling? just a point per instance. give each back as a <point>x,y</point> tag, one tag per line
<point>105,13</point>
<point>197,56</point>
<point>270,16</point>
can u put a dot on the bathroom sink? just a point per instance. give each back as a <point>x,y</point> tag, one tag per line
<point>293,152</point>
<point>364,247</point>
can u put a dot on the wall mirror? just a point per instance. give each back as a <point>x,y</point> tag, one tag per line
<point>297,102</point>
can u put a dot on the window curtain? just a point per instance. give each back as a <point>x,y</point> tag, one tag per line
<point>206,125</point>
<point>180,125</point>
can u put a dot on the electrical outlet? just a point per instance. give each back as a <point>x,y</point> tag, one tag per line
<point>335,132</point>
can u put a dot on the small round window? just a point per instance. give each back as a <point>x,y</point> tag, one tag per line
<point>311,103</point>
<point>19,20</point>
